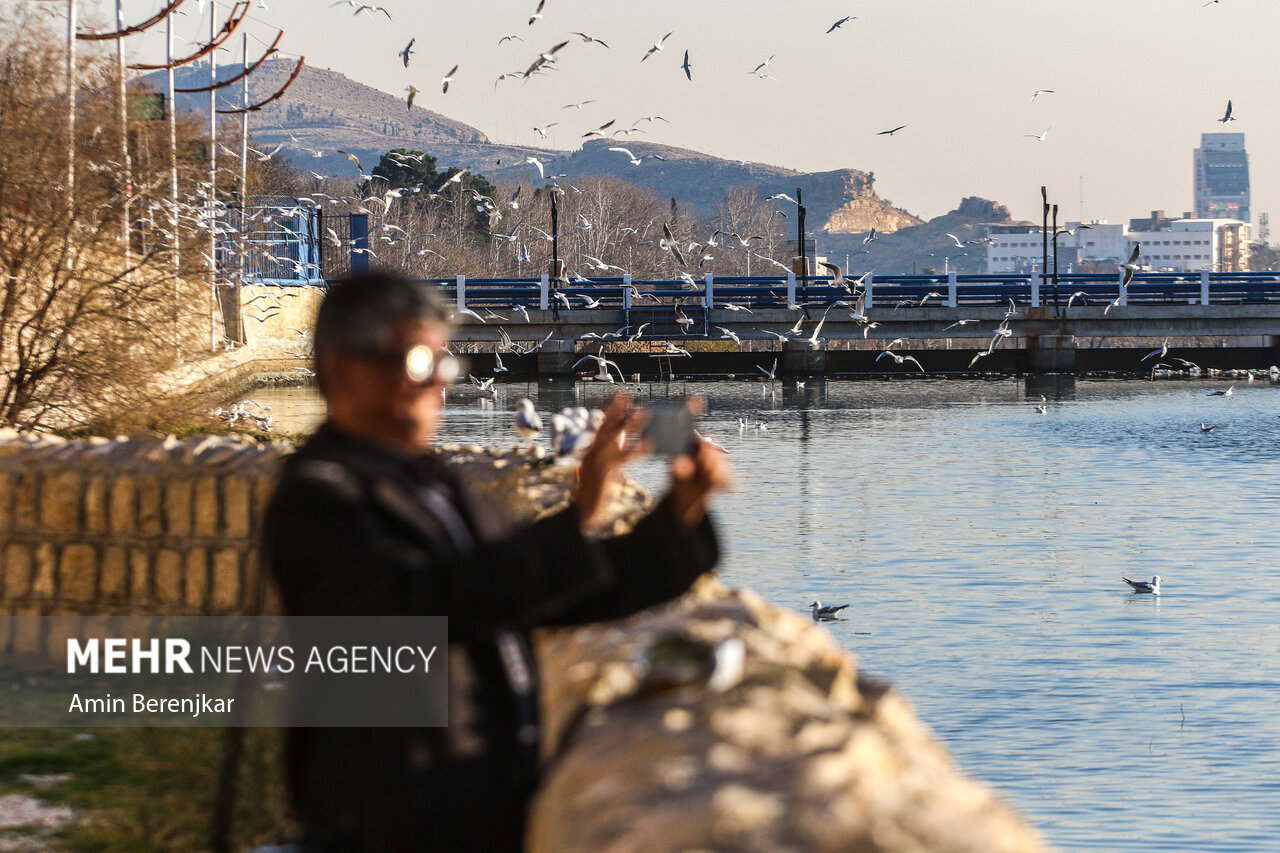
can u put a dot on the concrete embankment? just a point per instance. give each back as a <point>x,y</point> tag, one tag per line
<point>794,751</point>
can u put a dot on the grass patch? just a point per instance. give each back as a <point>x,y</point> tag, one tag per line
<point>140,790</point>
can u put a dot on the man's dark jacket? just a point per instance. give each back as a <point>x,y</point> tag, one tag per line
<point>356,528</point>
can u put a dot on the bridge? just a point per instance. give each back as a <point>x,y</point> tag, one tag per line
<point>1041,318</point>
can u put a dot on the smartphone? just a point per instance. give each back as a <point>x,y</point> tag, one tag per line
<point>670,428</point>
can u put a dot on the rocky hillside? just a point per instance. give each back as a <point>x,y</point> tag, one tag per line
<point>922,244</point>
<point>837,202</point>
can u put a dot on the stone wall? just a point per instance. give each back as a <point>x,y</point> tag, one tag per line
<point>92,530</point>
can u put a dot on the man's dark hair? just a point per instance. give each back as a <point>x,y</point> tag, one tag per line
<point>359,314</point>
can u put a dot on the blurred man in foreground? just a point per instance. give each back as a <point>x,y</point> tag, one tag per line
<point>367,522</point>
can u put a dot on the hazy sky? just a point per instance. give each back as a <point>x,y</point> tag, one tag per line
<point>1136,82</point>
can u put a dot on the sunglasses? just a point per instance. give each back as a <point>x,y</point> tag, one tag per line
<point>424,365</point>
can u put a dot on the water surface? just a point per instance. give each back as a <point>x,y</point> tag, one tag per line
<point>981,546</point>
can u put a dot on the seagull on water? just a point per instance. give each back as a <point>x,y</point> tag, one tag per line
<point>1226,393</point>
<point>1206,428</point>
<point>1143,586</point>
<point>825,612</point>
<point>528,422</point>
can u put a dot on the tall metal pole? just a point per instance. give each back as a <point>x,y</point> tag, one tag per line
<point>213,182</point>
<point>244,187</point>
<point>71,124</point>
<point>71,103</point>
<point>174,220</point>
<point>1055,256</point>
<point>1044,230</point>
<point>122,115</point>
<point>804,261</point>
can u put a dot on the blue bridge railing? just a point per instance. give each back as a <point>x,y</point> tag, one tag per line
<point>696,296</point>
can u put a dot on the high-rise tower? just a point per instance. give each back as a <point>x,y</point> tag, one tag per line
<point>1222,177</point>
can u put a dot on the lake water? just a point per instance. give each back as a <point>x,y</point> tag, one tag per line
<point>981,546</point>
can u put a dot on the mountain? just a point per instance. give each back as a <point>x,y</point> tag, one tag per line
<point>326,111</point>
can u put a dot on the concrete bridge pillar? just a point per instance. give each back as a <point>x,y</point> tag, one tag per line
<point>799,358</point>
<point>556,358</point>
<point>1051,353</point>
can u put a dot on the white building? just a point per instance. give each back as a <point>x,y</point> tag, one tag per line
<point>1191,245</point>
<point>1020,248</point>
<point>1183,245</point>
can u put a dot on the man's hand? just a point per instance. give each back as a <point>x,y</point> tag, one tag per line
<point>602,464</point>
<point>694,477</point>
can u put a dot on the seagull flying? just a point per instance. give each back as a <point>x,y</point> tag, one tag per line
<point>1227,116</point>
<point>407,52</point>
<point>838,24</point>
<point>687,68</point>
<point>891,132</point>
<point>448,78</point>
<point>1038,92</point>
<point>657,46</point>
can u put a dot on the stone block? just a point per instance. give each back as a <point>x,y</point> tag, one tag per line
<point>206,506</point>
<point>271,600</point>
<point>237,496</point>
<point>7,481</point>
<point>264,486</point>
<point>177,505</point>
<point>24,501</point>
<point>28,623</point>
<point>17,572</point>
<point>197,578</point>
<point>168,576</point>
<point>60,502</point>
<point>150,500</point>
<point>226,579</point>
<point>114,583</point>
<point>139,576</point>
<point>46,561</point>
<point>122,504</point>
<point>78,573</point>
<point>95,504</point>
<point>61,625</point>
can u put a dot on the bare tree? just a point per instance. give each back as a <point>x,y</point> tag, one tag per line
<point>80,332</point>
